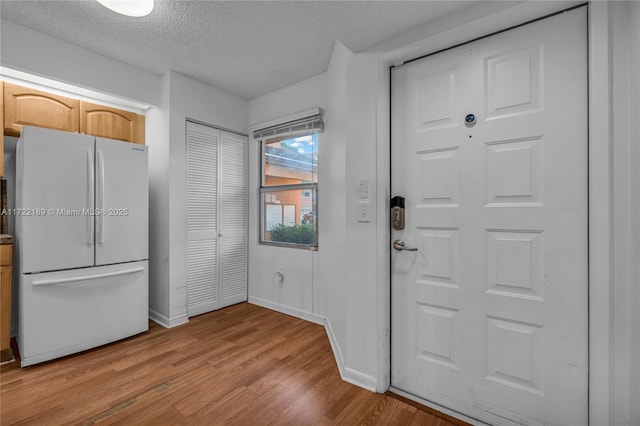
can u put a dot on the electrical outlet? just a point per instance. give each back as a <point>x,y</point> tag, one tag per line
<point>364,211</point>
<point>278,277</point>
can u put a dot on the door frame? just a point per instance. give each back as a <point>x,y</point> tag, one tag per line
<point>600,179</point>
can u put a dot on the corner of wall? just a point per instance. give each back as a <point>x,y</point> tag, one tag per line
<point>349,375</point>
<point>331,278</point>
<point>158,141</point>
<point>165,321</point>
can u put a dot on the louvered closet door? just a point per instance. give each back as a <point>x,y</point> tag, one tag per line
<point>216,218</point>
<point>233,219</point>
<point>202,218</point>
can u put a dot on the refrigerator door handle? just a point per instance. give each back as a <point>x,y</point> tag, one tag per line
<point>90,196</point>
<point>54,281</point>
<point>100,211</point>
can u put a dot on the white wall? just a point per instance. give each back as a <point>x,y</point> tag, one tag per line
<point>332,163</point>
<point>625,350</point>
<point>189,98</point>
<point>361,237</point>
<point>296,293</point>
<point>634,213</point>
<point>157,138</point>
<point>344,284</point>
<point>30,51</point>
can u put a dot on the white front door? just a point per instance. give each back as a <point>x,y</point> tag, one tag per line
<point>489,147</point>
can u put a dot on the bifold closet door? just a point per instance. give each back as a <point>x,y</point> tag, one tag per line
<point>233,218</point>
<point>202,218</point>
<point>216,218</point>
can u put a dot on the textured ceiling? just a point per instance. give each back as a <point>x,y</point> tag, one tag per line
<point>248,48</point>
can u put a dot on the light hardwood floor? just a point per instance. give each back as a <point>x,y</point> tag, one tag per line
<point>242,365</point>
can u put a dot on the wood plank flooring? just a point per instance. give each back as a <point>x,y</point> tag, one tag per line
<point>242,365</point>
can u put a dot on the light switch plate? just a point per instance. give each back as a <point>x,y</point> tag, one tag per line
<point>364,189</point>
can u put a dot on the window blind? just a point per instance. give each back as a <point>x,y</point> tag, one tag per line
<point>310,121</point>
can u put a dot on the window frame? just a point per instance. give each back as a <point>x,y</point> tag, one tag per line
<point>263,189</point>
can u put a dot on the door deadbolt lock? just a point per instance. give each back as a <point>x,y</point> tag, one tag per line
<point>397,213</point>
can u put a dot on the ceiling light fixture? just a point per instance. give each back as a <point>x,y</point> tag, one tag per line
<point>135,8</point>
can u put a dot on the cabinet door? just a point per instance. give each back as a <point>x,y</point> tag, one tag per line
<point>2,127</point>
<point>112,123</point>
<point>24,106</point>
<point>6,252</point>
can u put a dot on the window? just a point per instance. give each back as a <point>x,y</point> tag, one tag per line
<point>289,183</point>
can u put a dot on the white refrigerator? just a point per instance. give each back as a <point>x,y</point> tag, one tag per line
<point>82,242</point>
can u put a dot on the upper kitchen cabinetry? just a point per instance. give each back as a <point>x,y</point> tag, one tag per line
<point>112,123</point>
<point>24,106</point>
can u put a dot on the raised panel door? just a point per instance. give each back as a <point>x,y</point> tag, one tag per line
<point>24,106</point>
<point>111,123</point>
<point>489,315</point>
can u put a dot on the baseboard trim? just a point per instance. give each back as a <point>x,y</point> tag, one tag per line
<point>360,379</point>
<point>167,322</point>
<point>349,375</point>
<point>283,309</point>
<point>337,354</point>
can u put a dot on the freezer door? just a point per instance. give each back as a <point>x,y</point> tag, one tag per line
<point>122,202</point>
<point>65,312</point>
<point>55,189</point>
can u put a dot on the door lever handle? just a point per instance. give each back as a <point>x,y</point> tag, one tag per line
<point>399,245</point>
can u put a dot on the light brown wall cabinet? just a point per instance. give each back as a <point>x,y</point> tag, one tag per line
<point>24,106</point>
<point>112,123</point>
